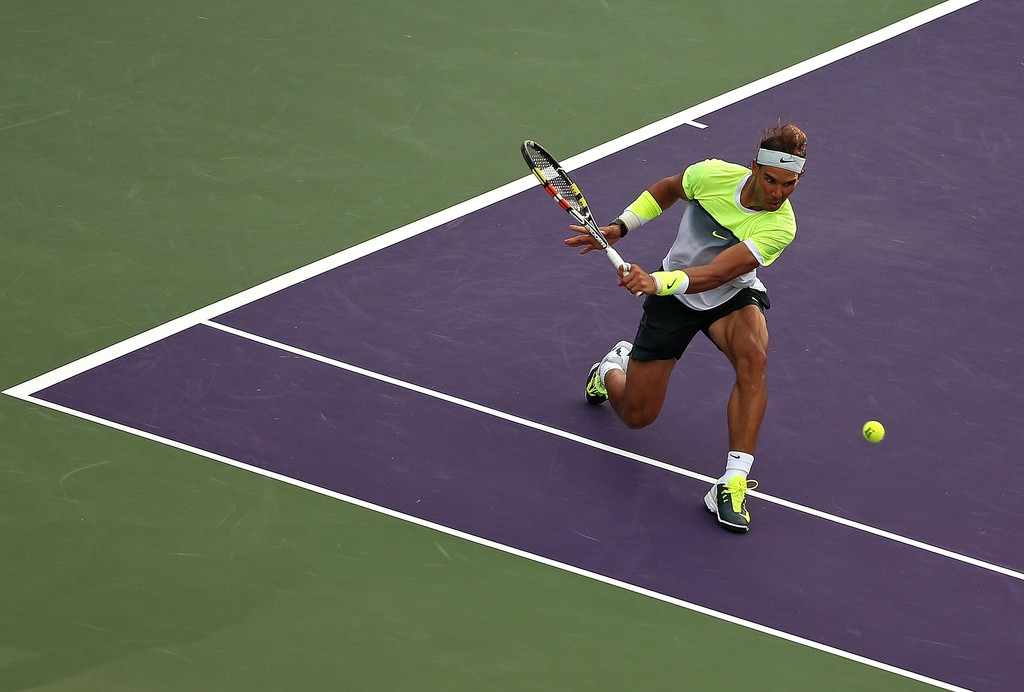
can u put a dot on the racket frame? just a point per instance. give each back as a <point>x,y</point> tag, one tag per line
<point>584,217</point>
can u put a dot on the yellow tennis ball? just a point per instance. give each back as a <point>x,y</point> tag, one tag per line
<point>874,431</point>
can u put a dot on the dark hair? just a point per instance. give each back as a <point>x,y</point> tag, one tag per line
<point>787,138</point>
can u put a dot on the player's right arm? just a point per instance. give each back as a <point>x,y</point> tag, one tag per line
<point>726,266</point>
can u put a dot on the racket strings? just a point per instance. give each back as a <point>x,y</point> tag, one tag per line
<point>564,187</point>
<point>557,179</point>
<point>567,190</point>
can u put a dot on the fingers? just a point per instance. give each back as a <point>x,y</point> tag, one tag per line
<point>637,280</point>
<point>582,240</point>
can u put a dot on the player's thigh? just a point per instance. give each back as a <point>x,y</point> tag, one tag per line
<point>743,336</point>
<point>647,383</point>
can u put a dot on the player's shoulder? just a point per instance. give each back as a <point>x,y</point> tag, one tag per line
<point>712,171</point>
<point>719,166</point>
<point>785,216</point>
<point>782,221</point>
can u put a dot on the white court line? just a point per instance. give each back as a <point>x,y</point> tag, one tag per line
<point>480,408</point>
<point>690,117</point>
<point>694,607</point>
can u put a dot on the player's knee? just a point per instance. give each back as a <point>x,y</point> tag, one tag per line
<point>752,364</point>
<point>757,360</point>
<point>639,418</point>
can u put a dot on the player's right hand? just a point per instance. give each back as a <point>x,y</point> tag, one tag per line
<point>638,281</point>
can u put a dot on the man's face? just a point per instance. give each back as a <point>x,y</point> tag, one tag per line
<point>772,186</point>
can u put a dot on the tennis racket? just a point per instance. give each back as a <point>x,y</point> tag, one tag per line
<point>563,190</point>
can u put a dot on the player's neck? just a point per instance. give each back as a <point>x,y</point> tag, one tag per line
<point>747,196</point>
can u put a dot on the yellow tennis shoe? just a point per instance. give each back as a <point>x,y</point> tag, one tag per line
<point>728,502</point>
<point>596,393</point>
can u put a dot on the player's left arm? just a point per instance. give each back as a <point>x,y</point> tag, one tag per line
<point>726,266</point>
<point>664,193</point>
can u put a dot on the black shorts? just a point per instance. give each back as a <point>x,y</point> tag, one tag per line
<point>668,326</point>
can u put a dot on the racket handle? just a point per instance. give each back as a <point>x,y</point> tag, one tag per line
<point>617,261</point>
<point>626,267</point>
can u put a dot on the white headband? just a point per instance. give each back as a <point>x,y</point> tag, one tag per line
<point>780,159</point>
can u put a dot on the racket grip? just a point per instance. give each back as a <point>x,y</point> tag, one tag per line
<point>626,266</point>
<point>619,262</point>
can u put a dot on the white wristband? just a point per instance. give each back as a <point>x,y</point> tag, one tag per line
<point>631,220</point>
<point>643,209</point>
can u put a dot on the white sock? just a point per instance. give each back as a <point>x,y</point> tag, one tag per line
<point>738,464</point>
<point>606,367</point>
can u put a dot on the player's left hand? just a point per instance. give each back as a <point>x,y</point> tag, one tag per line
<point>586,243</point>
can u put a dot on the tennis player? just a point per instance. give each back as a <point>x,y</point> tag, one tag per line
<point>736,220</point>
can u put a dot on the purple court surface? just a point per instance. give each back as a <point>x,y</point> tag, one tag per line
<point>441,377</point>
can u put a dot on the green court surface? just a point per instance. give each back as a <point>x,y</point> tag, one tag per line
<point>157,157</point>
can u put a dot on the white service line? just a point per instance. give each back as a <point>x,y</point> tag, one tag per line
<point>480,408</point>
